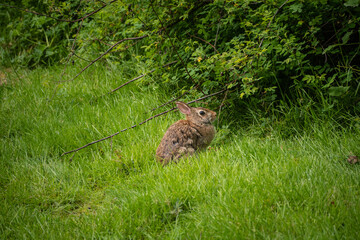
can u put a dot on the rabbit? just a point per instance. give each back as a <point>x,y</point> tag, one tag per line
<point>185,137</point>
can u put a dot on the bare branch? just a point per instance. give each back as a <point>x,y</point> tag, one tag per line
<point>107,51</point>
<point>207,96</point>
<point>114,45</point>
<point>75,150</point>
<point>139,77</point>
<point>143,75</point>
<point>173,100</point>
<point>155,116</point>
<point>80,57</point>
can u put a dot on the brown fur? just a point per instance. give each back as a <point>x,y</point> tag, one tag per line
<point>185,137</point>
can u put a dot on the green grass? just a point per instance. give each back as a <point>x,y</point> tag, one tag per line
<point>244,187</point>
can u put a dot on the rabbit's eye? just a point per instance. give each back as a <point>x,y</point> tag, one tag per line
<point>202,113</point>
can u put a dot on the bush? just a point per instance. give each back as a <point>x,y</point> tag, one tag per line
<point>32,35</point>
<point>261,51</point>
<point>301,53</point>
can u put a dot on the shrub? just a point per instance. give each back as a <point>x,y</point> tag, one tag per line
<point>264,52</point>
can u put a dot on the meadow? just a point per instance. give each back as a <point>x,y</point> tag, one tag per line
<point>246,186</point>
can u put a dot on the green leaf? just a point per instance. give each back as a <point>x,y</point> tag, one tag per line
<point>337,91</point>
<point>328,48</point>
<point>346,37</point>
<point>352,3</point>
<point>309,78</point>
<point>330,81</point>
<point>296,7</point>
<point>231,85</point>
<point>49,53</point>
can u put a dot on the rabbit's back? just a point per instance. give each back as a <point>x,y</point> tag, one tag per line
<point>179,140</point>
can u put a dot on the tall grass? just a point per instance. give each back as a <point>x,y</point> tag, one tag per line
<point>247,186</point>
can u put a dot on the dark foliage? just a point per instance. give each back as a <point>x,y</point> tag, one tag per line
<point>268,54</point>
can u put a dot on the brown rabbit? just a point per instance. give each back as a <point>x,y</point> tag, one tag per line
<point>185,137</point>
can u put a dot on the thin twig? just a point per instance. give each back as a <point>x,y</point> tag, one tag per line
<point>101,41</point>
<point>205,42</point>
<point>155,116</point>
<point>80,57</point>
<point>117,43</point>
<point>91,62</point>
<point>143,75</point>
<point>207,96</point>
<point>111,144</point>
<point>75,150</point>
<point>70,160</point>
<point>166,65</point>
<point>107,51</point>
<point>173,100</point>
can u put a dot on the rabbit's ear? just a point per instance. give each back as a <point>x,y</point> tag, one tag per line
<point>183,107</point>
